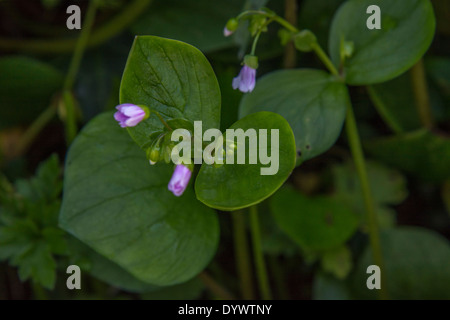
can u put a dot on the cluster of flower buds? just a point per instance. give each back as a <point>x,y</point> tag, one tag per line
<point>130,115</point>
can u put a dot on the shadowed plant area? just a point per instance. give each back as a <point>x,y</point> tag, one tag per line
<point>219,150</point>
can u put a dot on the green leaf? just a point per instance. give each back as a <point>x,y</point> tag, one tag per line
<point>172,78</point>
<point>234,186</point>
<point>416,264</point>
<point>312,101</point>
<point>104,269</point>
<point>199,22</point>
<point>318,223</point>
<point>421,153</point>
<point>38,264</point>
<point>26,88</point>
<point>407,30</point>
<point>119,205</point>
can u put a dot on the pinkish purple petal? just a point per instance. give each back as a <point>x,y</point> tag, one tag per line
<point>180,180</point>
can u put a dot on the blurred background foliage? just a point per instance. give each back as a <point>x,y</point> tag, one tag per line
<point>309,255</point>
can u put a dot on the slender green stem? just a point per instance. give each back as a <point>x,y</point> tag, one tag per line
<point>260,265</point>
<point>420,89</point>
<point>384,111</point>
<point>70,119</point>
<point>81,46</point>
<point>161,119</point>
<point>69,103</point>
<point>217,289</point>
<point>33,131</point>
<point>242,255</point>
<point>324,58</point>
<point>101,35</point>
<point>291,15</point>
<point>316,47</point>
<point>255,41</point>
<point>358,157</point>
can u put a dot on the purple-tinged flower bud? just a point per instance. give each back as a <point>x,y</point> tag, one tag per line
<point>180,180</point>
<point>130,115</point>
<point>227,32</point>
<point>230,27</point>
<point>245,81</point>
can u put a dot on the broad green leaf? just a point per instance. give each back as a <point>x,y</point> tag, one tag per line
<point>318,223</point>
<point>234,186</point>
<point>173,78</point>
<point>119,205</point>
<point>26,88</point>
<point>421,153</point>
<point>416,265</point>
<point>407,30</point>
<point>395,103</point>
<point>312,101</point>
<point>198,22</point>
<point>104,269</point>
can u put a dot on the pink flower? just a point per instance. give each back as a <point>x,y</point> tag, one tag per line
<point>129,115</point>
<point>245,81</point>
<point>227,32</point>
<point>180,180</point>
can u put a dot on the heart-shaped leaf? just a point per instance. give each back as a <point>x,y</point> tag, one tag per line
<point>318,223</point>
<point>119,205</point>
<point>407,29</point>
<point>234,186</point>
<point>173,78</point>
<point>312,101</point>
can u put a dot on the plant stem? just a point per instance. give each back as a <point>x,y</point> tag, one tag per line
<point>383,110</point>
<point>101,35</point>
<point>80,46</point>
<point>33,131</point>
<point>162,120</point>
<point>242,256</point>
<point>316,47</point>
<point>69,103</point>
<point>420,89</point>
<point>217,289</point>
<point>358,157</point>
<point>290,53</point>
<point>260,265</point>
<point>324,58</point>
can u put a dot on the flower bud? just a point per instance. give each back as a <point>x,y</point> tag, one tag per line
<point>130,115</point>
<point>230,27</point>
